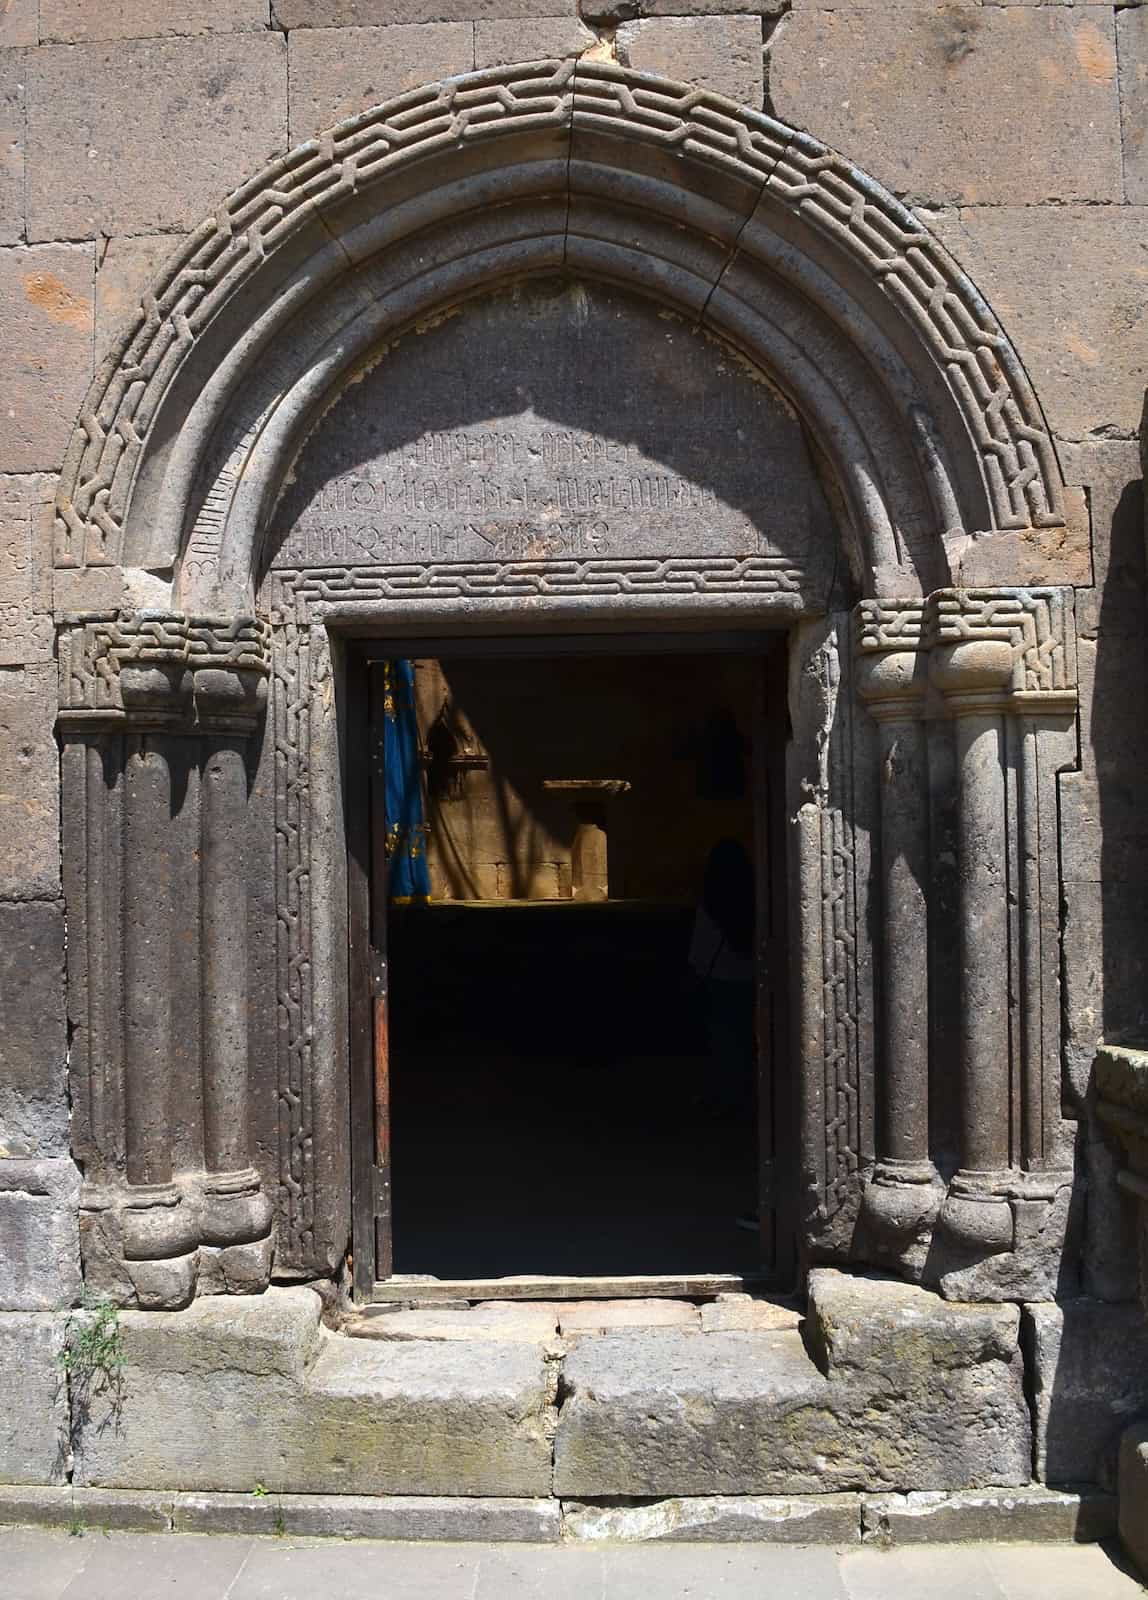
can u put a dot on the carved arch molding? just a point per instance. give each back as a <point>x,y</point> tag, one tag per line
<point>201,692</point>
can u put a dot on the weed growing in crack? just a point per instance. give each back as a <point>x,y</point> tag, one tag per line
<point>93,1360</point>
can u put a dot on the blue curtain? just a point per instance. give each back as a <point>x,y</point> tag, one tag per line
<point>408,881</point>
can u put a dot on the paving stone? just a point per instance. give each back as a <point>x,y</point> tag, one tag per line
<point>19,23</point>
<point>1132,1492</point>
<point>486,1518</point>
<point>721,1519</point>
<point>86,1510</point>
<point>128,267</point>
<point>1132,50</point>
<point>33,1398</point>
<point>498,43</point>
<point>730,1312</point>
<point>39,1235</point>
<point>75,21</point>
<point>11,146</point>
<point>1089,1372</point>
<point>1021,103</point>
<point>46,314</point>
<point>518,1322</point>
<point>581,1319</point>
<point>27,631</point>
<point>337,72</point>
<point>242,1391</point>
<point>133,155</point>
<point>1086,353</point>
<point>33,1041</point>
<point>1025,1516</point>
<point>719,53</point>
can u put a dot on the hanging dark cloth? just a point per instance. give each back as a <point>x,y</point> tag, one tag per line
<point>408,880</point>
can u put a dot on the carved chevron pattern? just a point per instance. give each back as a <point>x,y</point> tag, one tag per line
<point>883,238</point>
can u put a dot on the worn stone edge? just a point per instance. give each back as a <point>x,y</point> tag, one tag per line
<point>1029,1515</point>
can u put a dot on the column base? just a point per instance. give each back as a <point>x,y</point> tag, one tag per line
<point>899,1212</point>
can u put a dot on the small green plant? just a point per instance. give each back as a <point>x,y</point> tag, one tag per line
<point>260,1491</point>
<point>280,1525</point>
<point>93,1356</point>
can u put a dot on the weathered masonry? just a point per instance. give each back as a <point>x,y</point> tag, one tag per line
<point>546,358</point>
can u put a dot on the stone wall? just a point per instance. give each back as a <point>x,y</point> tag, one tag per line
<point>1018,132</point>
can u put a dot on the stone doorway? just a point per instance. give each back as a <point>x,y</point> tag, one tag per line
<point>574,1054</point>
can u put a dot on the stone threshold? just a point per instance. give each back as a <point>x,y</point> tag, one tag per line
<point>1035,1515</point>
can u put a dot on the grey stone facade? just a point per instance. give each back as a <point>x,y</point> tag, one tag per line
<point>959,321</point>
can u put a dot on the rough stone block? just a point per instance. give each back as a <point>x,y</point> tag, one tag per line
<point>725,1414</point>
<point>11,146</point>
<point>134,154</point>
<point>937,1385</point>
<point>39,1235</point>
<point>1021,103</point>
<point>1133,1494</point>
<point>86,1510</point>
<point>33,1398</point>
<point>384,13</point>
<point>702,8</point>
<point>1132,48</point>
<point>27,634</point>
<point>721,1519</point>
<point>19,23</point>
<point>337,72</point>
<point>498,43</point>
<point>1084,351</point>
<point>235,1392</point>
<point>917,1393</point>
<point>1042,1264</point>
<point>46,314</point>
<point>33,1043</point>
<point>1031,555</point>
<point>1022,1516</point>
<point>1088,1366</point>
<point>29,787</point>
<point>490,1519</point>
<point>1109,1266</point>
<point>719,53</point>
<point>128,267</point>
<point>77,21</point>
<point>1109,470</point>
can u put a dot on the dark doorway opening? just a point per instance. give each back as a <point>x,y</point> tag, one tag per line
<point>571,921</point>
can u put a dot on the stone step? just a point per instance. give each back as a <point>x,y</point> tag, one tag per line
<point>885,1388</point>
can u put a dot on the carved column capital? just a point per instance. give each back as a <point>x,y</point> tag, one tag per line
<point>1003,649</point>
<point>892,677</point>
<point>184,673</point>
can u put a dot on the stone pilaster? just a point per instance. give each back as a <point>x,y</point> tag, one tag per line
<point>156,714</point>
<point>903,1196</point>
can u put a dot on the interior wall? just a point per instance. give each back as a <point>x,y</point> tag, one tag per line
<point>496,732</point>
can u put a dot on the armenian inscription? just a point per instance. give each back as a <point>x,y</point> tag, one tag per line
<point>543,426</point>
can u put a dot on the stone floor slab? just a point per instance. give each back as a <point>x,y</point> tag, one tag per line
<point>731,1313</point>
<point>119,1566</point>
<point>516,1322</point>
<point>36,1566</point>
<point>579,1318</point>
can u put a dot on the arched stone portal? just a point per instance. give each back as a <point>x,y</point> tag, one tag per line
<point>205,865</point>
